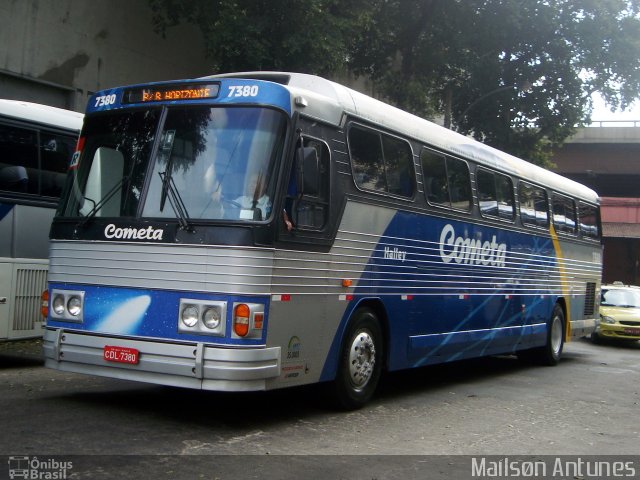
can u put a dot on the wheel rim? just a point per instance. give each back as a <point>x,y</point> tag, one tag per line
<point>556,335</point>
<point>362,359</point>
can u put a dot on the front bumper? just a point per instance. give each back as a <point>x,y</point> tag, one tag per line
<point>194,365</point>
<point>618,331</point>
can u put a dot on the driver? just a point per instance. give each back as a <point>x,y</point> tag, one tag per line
<point>255,195</point>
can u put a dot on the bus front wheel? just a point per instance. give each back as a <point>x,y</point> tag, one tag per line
<point>360,362</point>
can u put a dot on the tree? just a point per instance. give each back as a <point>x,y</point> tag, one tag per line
<point>516,74</point>
<point>311,36</point>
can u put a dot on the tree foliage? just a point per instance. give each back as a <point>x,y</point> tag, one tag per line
<point>516,74</point>
<point>310,36</point>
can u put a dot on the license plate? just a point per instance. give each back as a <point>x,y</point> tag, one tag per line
<point>121,354</point>
<point>632,331</point>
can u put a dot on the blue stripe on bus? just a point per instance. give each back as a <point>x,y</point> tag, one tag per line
<point>438,325</point>
<point>268,94</point>
<point>5,208</point>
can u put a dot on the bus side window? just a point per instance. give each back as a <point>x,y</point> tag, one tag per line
<point>564,213</point>
<point>367,159</point>
<point>495,194</point>
<point>504,187</point>
<point>381,162</point>
<point>487,197</point>
<point>533,205</point>
<point>55,154</point>
<point>434,172</point>
<point>588,220</point>
<point>18,160</point>
<point>447,180</point>
<point>398,159</point>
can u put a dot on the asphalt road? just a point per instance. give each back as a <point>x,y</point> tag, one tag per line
<point>587,405</point>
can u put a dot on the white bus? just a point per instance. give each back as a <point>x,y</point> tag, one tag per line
<point>36,145</point>
<point>262,230</point>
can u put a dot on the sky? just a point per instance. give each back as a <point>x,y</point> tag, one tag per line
<point>602,113</point>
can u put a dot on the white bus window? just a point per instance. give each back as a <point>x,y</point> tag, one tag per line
<point>18,160</point>
<point>398,161</point>
<point>381,162</point>
<point>55,154</point>
<point>588,215</point>
<point>459,184</point>
<point>487,198</point>
<point>495,194</point>
<point>533,205</point>
<point>504,189</point>
<point>564,213</point>
<point>434,172</point>
<point>367,159</point>
<point>447,180</point>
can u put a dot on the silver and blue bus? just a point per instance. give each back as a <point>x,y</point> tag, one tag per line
<point>36,145</point>
<point>261,230</point>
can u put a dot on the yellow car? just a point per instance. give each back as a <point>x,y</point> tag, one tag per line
<point>619,313</point>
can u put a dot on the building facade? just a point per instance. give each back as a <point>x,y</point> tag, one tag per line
<point>58,52</point>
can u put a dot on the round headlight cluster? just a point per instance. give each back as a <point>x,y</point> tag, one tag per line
<point>189,315</point>
<point>67,305</point>
<point>202,317</point>
<point>58,305</point>
<point>74,306</point>
<point>211,318</point>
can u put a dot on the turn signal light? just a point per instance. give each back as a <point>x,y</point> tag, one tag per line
<point>44,308</point>
<point>241,320</point>
<point>258,320</point>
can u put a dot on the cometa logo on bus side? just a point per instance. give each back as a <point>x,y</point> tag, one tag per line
<point>471,251</point>
<point>129,233</point>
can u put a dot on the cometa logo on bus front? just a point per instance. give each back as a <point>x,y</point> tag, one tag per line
<point>128,233</point>
<point>470,251</point>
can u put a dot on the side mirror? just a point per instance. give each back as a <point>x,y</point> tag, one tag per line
<point>307,171</point>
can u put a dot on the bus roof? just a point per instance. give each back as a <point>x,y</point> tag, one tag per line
<point>42,114</point>
<point>330,101</point>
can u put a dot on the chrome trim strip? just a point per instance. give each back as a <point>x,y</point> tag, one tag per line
<point>480,330</point>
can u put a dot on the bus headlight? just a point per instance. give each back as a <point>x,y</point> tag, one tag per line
<point>189,315</point>
<point>67,305</point>
<point>74,305</point>
<point>58,305</point>
<point>211,318</point>
<point>203,317</point>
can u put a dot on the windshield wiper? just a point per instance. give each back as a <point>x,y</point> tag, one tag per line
<point>170,191</point>
<point>97,206</point>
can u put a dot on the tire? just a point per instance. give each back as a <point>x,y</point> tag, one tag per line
<point>550,353</point>
<point>360,362</point>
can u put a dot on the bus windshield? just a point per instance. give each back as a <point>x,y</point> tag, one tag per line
<point>217,162</point>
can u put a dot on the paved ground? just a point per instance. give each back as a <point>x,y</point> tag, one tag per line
<point>588,405</point>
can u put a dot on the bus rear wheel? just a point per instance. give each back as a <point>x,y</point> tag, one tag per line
<point>360,363</point>
<point>550,353</point>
